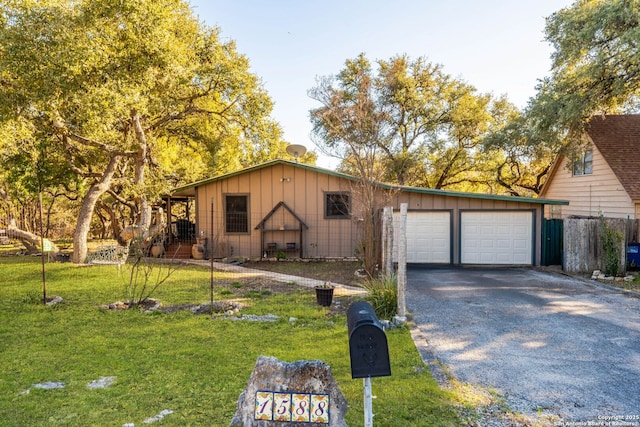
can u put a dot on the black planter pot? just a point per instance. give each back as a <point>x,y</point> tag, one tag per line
<point>324,296</point>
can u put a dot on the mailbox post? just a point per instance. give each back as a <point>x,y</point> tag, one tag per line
<point>368,350</point>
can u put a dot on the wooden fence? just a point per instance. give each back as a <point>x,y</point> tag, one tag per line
<point>583,251</point>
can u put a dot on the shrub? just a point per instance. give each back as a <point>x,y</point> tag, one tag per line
<point>611,243</point>
<point>383,295</point>
<point>145,276</point>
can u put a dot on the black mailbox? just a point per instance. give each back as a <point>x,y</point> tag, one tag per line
<point>368,346</point>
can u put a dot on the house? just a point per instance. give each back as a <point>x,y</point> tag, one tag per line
<point>288,209</point>
<point>605,177</point>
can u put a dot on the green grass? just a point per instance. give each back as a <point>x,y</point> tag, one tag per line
<point>193,365</point>
<point>633,285</point>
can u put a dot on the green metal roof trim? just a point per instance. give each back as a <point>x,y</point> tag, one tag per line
<point>382,185</point>
<point>478,195</point>
<point>261,166</point>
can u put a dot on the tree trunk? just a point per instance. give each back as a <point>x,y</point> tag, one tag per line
<point>116,229</point>
<point>29,240</point>
<point>86,212</point>
<point>144,221</point>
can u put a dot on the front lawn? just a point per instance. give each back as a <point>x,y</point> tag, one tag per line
<point>192,365</point>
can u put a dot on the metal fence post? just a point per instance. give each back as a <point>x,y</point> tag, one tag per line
<point>402,260</point>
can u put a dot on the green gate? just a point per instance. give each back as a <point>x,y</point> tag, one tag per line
<point>552,241</point>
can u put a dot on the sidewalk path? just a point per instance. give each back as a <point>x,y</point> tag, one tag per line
<point>340,289</point>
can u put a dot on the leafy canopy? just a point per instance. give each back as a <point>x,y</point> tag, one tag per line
<point>596,63</point>
<point>417,124</point>
<point>596,70</point>
<point>134,97</point>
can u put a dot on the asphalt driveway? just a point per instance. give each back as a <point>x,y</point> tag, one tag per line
<point>551,345</point>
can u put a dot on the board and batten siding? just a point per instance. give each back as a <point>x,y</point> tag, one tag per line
<point>302,190</point>
<point>426,202</point>
<point>590,195</point>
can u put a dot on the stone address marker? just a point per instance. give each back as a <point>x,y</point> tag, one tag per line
<point>272,377</point>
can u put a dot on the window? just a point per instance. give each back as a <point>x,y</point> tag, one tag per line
<point>584,165</point>
<point>337,205</point>
<point>236,213</point>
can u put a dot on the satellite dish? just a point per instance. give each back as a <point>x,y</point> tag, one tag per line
<point>296,150</point>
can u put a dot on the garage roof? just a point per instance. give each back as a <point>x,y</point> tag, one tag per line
<point>189,190</point>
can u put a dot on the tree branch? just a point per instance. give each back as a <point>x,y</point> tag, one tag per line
<point>102,146</point>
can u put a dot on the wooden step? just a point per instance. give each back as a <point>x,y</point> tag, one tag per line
<point>178,251</point>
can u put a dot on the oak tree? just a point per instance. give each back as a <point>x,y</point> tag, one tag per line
<point>595,70</point>
<point>118,85</point>
<point>423,127</point>
<point>596,65</point>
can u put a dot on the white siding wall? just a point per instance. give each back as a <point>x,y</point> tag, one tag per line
<point>590,195</point>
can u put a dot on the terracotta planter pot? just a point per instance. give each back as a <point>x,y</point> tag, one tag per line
<point>198,251</point>
<point>157,250</point>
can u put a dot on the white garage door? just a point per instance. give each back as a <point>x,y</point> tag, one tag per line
<point>428,237</point>
<point>496,237</point>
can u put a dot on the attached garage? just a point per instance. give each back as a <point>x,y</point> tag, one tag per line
<point>496,237</point>
<point>448,227</point>
<point>428,237</point>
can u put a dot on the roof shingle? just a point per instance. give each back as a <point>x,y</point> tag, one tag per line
<point>618,140</point>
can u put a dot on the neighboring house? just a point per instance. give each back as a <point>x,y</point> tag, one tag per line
<point>605,178</point>
<point>288,209</point>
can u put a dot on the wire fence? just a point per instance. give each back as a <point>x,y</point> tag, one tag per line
<point>173,284</point>
<point>284,252</point>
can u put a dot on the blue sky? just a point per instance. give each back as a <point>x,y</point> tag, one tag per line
<point>495,45</point>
